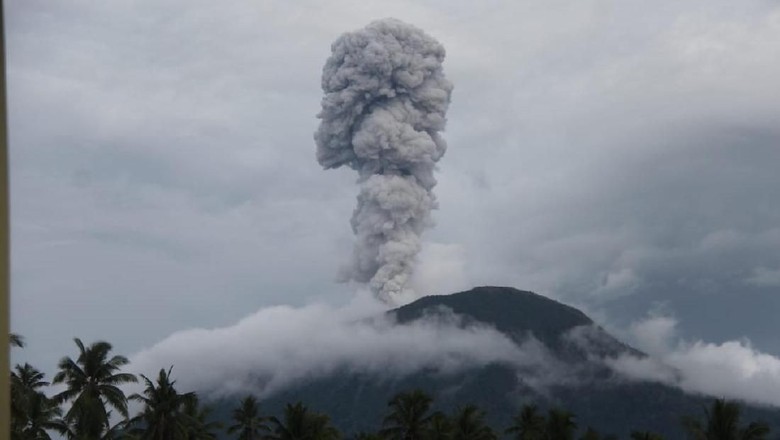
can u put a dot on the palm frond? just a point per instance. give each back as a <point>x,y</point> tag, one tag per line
<point>16,340</point>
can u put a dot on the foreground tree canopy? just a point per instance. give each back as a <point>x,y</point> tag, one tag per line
<point>97,409</point>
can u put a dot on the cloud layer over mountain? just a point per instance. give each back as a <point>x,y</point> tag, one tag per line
<point>731,369</point>
<point>280,346</point>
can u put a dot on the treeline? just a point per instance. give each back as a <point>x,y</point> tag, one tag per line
<point>92,406</point>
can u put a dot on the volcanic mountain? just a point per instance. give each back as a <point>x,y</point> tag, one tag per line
<point>570,373</point>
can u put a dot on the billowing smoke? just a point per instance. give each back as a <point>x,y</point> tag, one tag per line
<point>385,102</point>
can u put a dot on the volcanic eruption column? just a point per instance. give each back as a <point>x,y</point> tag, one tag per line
<point>385,102</point>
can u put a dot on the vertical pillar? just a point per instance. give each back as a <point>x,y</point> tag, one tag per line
<point>5,285</point>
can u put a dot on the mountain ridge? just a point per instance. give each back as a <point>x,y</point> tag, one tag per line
<point>519,314</point>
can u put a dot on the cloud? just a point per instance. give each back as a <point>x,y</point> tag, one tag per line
<point>655,335</point>
<point>731,369</point>
<point>618,282</point>
<point>765,277</point>
<point>441,269</point>
<point>278,346</point>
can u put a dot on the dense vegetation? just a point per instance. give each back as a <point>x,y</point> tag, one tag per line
<point>92,406</point>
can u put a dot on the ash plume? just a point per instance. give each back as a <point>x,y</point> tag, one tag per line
<point>385,102</point>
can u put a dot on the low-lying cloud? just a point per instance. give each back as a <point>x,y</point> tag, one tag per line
<point>731,369</point>
<point>279,346</point>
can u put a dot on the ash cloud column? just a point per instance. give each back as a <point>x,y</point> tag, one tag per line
<point>385,102</point>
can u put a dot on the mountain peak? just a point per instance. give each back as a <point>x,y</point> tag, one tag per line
<point>511,311</point>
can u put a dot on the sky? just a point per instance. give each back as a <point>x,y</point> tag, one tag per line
<point>618,156</point>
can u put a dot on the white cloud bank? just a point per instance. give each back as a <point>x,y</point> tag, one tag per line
<point>278,346</point>
<point>731,369</point>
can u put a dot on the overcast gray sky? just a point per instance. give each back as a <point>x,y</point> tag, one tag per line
<point>619,156</point>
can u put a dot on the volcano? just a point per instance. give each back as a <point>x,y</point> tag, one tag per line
<point>573,376</point>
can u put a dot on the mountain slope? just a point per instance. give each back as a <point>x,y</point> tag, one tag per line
<point>518,314</point>
<point>572,378</point>
<point>509,310</point>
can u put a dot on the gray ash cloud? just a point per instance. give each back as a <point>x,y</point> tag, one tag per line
<point>385,102</point>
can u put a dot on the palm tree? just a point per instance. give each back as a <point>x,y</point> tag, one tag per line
<point>320,428</point>
<point>32,412</point>
<point>645,435</point>
<point>528,424</point>
<point>43,415</point>
<point>294,425</point>
<point>469,424</point>
<point>439,427</point>
<point>301,424</point>
<point>722,423</point>
<point>196,416</point>
<point>118,431</point>
<point>560,425</point>
<point>249,424</point>
<point>27,378</point>
<point>93,381</point>
<point>162,417</point>
<point>25,381</point>
<point>409,416</point>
